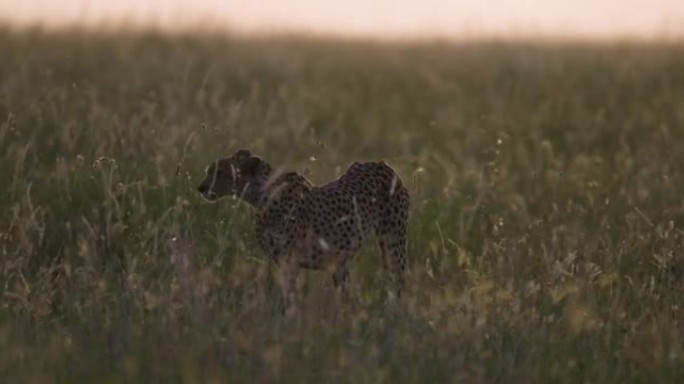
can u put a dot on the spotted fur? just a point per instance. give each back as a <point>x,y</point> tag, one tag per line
<point>318,227</point>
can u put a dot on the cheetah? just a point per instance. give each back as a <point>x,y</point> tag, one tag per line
<point>299,225</point>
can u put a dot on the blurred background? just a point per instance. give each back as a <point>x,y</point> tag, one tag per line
<point>455,19</point>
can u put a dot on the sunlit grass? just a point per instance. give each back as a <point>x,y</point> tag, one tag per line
<point>547,221</point>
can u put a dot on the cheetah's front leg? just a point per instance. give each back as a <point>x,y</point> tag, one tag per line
<point>289,270</point>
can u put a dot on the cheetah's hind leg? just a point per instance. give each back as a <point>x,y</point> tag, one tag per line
<point>393,250</point>
<point>392,233</point>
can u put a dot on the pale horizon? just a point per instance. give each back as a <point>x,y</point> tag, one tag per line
<point>608,19</point>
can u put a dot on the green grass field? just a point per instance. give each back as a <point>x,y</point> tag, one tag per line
<point>546,236</point>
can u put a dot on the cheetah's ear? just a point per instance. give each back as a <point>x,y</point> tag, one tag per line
<point>253,166</point>
<point>243,153</point>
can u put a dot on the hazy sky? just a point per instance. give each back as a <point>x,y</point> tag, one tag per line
<point>389,18</point>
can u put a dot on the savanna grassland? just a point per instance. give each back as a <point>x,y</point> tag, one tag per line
<point>547,219</point>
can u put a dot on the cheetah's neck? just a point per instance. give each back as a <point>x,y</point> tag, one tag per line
<point>275,186</point>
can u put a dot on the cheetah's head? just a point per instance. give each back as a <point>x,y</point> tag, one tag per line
<point>239,175</point>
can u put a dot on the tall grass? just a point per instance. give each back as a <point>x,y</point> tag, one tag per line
<point>546,233</point>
